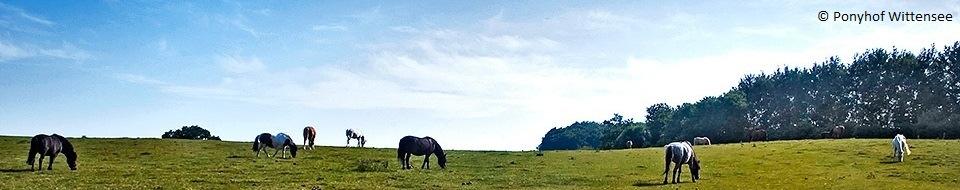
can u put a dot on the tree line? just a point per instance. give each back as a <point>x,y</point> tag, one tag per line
<point>879,94</point>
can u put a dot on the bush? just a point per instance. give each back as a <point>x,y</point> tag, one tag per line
<point>191,132</point>
<point>365,165</point>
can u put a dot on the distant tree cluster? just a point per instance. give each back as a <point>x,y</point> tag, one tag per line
<point>879,94</point>
<point>191,132</point>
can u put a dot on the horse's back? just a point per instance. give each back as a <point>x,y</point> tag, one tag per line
<point>679,152</point>
<point>413,145</point>
<point>266,139</point>
<point>280,139</point>
<point>309,132</point>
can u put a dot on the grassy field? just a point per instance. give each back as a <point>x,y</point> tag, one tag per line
<point>185,164</point>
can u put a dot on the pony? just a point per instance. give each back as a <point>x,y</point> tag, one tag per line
<point>680,153</point>
<point>837,131</point>
<point>757,134</point>
<point>701,141</point>
<point>411,145</point>
<point>309,135</point>
<point>354,134</point>
<point>629,144</point>
<point>899,147</point>
<point>280,142</point>
<point>51,145</point>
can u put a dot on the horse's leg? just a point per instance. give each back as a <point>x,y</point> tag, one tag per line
<point>666,169</point>
<point>426,161</point>
<point>275,153</point>
<point>676,173</point>
<point>40,162</point>
<point>348,142</point>
<point>50,163</point>
<point>407,161</point>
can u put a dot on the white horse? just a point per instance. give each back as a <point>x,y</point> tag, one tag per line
<point>629,144</point>
<point>701,141</point>
<point>680,153</point>
<point>899,147</point>
<point>354,134</point>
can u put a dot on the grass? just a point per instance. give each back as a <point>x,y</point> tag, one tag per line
<point>186,164</point>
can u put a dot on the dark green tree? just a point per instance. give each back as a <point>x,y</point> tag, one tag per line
<point>191,132</point>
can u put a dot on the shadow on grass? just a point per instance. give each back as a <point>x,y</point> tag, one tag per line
<point>649,183</point>
<point>889,162</point>
<point>14,170</point>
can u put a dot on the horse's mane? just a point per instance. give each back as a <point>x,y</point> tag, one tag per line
<point>436,147</point>
<point>67,150</point>
<point>67,146</point>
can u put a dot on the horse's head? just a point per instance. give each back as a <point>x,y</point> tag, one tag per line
<point>293,148</point>
<point>67,150</point>
<point>442,160</point>
<point>71,160</point>
<point>695,168</point>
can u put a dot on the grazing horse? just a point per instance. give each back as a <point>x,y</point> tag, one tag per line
<point>837,131</point>
<point>280,142</point>
<point>899,147</point>
<point>411,145</point>
<point>51,146</point>
<point>757,134</point>
<point>680,153</point>
<point>354,134</point>
<point>309,135</point>
<point>629,144</point>
<point>701,141</point>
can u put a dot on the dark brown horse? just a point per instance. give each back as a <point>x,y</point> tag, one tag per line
<point>757,134</point>
<point>411,145</point>
<point>838,131</point>
<point>309,135</point>
<point>51,146</point>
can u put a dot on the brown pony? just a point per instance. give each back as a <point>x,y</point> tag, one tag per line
<point>309,135</point>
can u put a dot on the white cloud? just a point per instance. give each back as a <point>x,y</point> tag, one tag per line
<point>12,52</point>
<point>239,65</point>
<point>503,73</point>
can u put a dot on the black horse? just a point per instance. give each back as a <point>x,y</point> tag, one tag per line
<point>420,147</point>
<point>51,145</point>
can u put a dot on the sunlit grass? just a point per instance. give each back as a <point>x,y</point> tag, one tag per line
<point>186,164</point>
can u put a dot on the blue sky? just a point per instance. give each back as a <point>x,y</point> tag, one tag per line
<point>487,75</point>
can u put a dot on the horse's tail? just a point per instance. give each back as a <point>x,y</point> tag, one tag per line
<point>256,143</point>
<point>36,144</point>
<point>667,157</point>
<point>400,154</point>
<point>905,147</point>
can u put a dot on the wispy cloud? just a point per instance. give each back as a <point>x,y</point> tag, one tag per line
<point>140,79</point>
<point>330,27</point>
<point>24,15</point>
<point>67,51</point>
